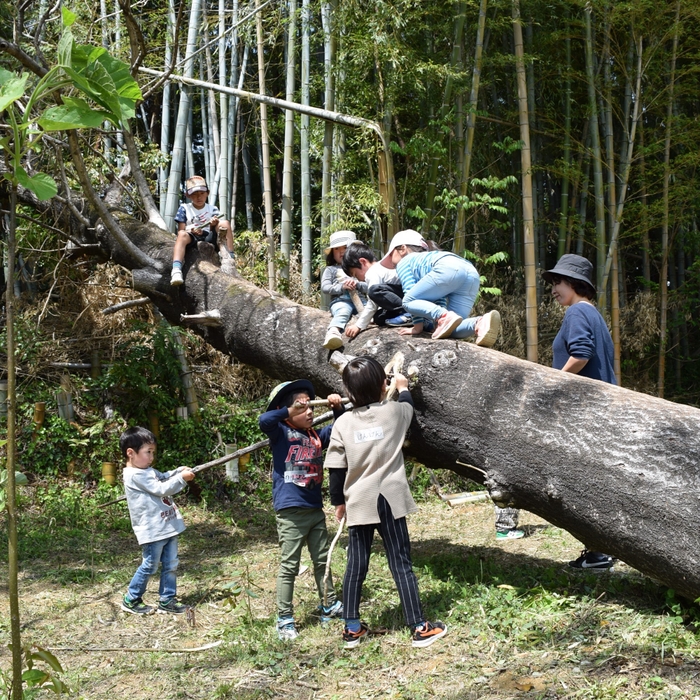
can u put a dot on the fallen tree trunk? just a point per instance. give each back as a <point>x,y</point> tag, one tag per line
<point>617,469</point>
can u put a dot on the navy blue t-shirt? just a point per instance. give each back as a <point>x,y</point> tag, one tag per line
<point>297,457</point>
<point>585,336</point>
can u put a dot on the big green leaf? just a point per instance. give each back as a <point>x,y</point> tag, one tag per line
<point>74,113</point>
<point>41,184</point>
<point>12,90</point>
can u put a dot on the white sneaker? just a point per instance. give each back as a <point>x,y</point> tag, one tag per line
<point>487,329</point>
<point>176,278</point>
<point>333,339</point>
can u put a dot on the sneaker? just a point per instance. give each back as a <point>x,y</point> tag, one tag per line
<point>173,607</point>
<point>509,534</point>
<point>431,631</point>
<point>286,629</point>
<point>446,325</point>
<point>352,639</point>
<point>333,339</point>
<point>487,329</point>
<point>332,611</point>
<point>399,321</point>
<point>592,560</point>
<point>176,278</point>
<point>136,607</point>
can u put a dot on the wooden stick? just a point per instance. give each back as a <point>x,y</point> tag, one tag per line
<point>356,301</point>
<point>324,402</point>
<point>227,458</point>
<point>327,573</point>
<point>126,305</point>
<point>163,650</point>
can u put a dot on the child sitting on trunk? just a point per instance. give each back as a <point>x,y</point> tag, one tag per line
<point>383,289</point>
<point>340,286</point>
<point>197,221</point>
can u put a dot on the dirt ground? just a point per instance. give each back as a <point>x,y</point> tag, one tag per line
<point>521,624</point>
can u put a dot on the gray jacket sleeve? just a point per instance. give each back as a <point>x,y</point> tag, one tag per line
<point>330,284</point>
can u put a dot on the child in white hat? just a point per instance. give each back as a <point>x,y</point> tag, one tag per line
<point>336,283</point>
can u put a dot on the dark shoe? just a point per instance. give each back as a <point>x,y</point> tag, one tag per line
<point>400,321</point>
<point>136,607</point>
<point>592,560</point>
<point>352,639</point>
<point>431,631</point>
<point>173,607</point>
<point>332,611</point>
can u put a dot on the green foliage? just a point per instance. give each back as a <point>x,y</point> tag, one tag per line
<point>486,261</point>
<point>20,480</point>
<point>146,377</point>
<point>38,678</point>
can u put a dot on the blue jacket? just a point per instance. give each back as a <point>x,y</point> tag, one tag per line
<point>297,471</point>
<point>585,336</point>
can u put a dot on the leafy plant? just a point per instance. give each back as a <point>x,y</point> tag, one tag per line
<point>38,679</point>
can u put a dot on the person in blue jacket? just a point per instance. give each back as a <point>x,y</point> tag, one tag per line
<point>583,346</point>
<point>297,475</point>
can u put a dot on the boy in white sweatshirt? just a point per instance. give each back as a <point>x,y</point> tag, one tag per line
<point>155,519</point>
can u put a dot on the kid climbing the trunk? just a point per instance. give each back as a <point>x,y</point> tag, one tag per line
<point>368,485</point>
<point>297,474</point>
<point>340,286</point>
<point>197,221</point>
<point>439,287</point>
<point>383,289</point>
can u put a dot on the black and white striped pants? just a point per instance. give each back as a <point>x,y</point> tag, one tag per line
<point>394,534</point>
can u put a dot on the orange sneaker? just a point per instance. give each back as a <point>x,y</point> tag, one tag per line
<point>428,633</point>
<point>352,639</point>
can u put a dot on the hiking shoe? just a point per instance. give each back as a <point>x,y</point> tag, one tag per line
<point>176,278</point>
<point>173,607</point>
<point>333,339</point>
<point>487,329</point>
<point>592,560</point>
<point>286,629</point>
<point>509,534</point>
<point>446,325</point>
<point>429,632</point>
<point>136,607</point>
<point>399,321</point>
<point>352,639</point>
<point>333,610</point>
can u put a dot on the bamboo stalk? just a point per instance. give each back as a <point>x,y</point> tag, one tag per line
<point>288,157</point>
<point>471,127</point>
<point>528,215</point>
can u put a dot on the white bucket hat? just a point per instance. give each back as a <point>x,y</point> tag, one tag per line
<point>339,239</point>
<point>407,237</point>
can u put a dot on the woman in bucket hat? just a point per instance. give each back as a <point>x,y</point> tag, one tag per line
<point>583,346</point>
<point>339,285</point>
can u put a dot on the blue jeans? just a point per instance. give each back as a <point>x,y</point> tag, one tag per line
<point>341,311</point>
<point>162,552</point>
<point>455,279</point>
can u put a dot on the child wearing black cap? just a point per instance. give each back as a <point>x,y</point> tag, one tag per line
<point>296,493</point>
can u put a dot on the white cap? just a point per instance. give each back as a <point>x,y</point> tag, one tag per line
<point>407,237</point>
<point>339,239</point>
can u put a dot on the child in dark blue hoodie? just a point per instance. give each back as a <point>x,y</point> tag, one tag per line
<point>296,493</point>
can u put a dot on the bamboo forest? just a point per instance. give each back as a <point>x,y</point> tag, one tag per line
<point>514,134</point>
<point>501,134</point>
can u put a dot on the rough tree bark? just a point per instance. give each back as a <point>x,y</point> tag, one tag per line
<point>618,469</point>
